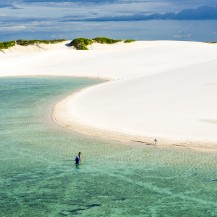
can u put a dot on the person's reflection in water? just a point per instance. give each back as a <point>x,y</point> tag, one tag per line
<point>77,166</point>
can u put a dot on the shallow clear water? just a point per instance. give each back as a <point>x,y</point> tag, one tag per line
<point>38,176</point>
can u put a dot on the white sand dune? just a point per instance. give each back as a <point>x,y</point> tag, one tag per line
<point>157,89</point>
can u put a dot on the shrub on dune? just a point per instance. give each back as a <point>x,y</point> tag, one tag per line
<point>78,43</point>
<point>7,44</point>
<point>105,40</point>
<point>33,42</point>
<point>129,41</point>
<point>81,43</point>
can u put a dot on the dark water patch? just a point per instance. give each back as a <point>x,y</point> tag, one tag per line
<point>121,199</point>
<point>77,211</point>
<point>93,205</point>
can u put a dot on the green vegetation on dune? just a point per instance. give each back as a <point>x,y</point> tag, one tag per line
<point>32,42</point>
<point>7,44</point>
<point>78,43</point>
<point>82,43</point>
<point>104,40</point>
<point>129,41</point>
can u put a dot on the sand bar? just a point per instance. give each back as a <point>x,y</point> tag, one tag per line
<point>157,89</point>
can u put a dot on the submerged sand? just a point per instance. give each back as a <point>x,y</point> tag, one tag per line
<point>157,89</point>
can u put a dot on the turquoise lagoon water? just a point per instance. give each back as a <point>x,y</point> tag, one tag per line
<point>38,176</point>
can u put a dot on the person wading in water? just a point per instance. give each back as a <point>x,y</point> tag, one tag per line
<point>78,158</point>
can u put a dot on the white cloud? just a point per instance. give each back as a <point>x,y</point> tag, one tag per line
<point>12,28</point>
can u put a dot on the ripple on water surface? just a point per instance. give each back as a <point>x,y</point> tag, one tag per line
<point>38,176</point>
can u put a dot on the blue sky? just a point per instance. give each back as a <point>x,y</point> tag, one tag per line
<point>139,19</point>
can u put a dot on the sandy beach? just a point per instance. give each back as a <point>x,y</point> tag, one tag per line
<point>155,89</point>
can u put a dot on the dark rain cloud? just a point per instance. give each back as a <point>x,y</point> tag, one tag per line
<point>2,5</point>
<point>7,5</point>
<point>201,13</point>
<point>179,3</point>
<point>72,1</point>
<point>18,20</point>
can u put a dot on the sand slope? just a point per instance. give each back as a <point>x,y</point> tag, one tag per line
<point>162,89</point>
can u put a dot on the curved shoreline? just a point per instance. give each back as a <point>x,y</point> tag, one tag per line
<point>61,117</point>
<point>161,88</point>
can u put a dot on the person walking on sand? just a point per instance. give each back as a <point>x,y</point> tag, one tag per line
<point>78,158</point>
<point>155,141</point>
